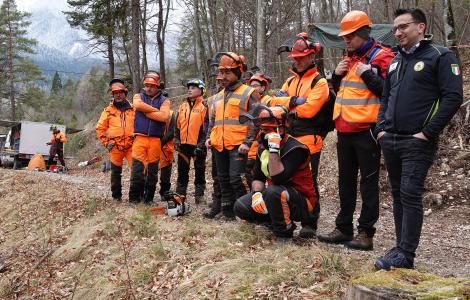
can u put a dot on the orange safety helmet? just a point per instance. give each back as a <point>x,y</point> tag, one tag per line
<point>265,81</point>
<point>354,20</point>
<point>152,77</point>
<point>231,60</point>
<point>303,47</point>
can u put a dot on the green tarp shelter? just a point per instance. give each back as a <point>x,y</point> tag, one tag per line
<point>327,34</point>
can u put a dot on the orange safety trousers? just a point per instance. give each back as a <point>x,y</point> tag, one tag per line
<point>146,149</point>
<point>117,157</point>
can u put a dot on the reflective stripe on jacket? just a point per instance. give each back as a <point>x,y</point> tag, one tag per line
<point>227,132</point>
<point>190,120</point>
<point>354,101</point>
<point>116,126</point>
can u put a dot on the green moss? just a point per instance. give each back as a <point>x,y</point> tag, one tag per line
<point>425,285</point>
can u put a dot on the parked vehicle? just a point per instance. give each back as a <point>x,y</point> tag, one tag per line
<point>25,139</point>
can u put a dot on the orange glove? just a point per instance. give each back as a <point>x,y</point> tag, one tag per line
<point>257,203</point>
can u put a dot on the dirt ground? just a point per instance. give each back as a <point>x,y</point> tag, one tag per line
<point>61,236</point>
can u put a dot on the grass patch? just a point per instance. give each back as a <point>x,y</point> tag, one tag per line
<point>143,224</point>
<point>425,286</point>
<point>92,205</point>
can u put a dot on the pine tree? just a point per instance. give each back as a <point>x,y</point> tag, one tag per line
<point>99,18</point>
<point>13,25</point>
<point>56,83</point>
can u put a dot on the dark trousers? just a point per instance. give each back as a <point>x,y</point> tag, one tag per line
<point>408,160</point>
<point>216,193</point>
<point>143,181</point>
<point>185,154</point>
<point>285,205</point>
<point>116,173</point>
<point>165,180</point>
<point>314,164</point>
<point>230,170</point>
<point>358,151</point>
<point>60,154</point>
<point>250,164</point>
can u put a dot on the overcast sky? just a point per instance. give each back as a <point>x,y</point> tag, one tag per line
<point>31,5</point>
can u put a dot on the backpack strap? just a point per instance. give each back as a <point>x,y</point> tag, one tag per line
<point>289,81</point>
<point>315,80</point>
<point>372,53</point>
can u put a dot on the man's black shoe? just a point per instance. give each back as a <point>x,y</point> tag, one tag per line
<point>307,232</point>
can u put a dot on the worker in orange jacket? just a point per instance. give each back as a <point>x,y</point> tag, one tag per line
<point>151,113</point>
<point>56,142</point>
<point>358,80</point>
<point>190,138</point>
<point>115,131</point>
<point>230,138</point>
<point>305,93</point>
<point>167,156</point>
<point>261,85</point>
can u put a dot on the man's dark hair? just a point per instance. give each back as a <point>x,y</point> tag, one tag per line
<point>416,13</point>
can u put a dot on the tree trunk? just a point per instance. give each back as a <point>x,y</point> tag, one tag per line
<point>135,55</point>
<point>109,44</point>
<point>212,5</point>
<point>387,11</point>
<point>201,54</point>
<point>161,27</point>
<point>145,66</point>
<point>11,70</point>
<point>261,35</point>
<point>449,27</point>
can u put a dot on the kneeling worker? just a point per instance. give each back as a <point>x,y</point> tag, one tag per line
<point>283,162</point>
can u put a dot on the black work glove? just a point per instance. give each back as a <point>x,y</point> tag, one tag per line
<point>109,147</point>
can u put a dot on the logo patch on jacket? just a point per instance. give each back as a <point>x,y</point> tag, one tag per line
<point>455,69</point>
<point>419,66</point>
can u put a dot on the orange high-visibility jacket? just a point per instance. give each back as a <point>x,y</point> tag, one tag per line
<point>190,120</point>
<point>227,132</point>
<point>116,126</point>
<point>316,98</point>
<point>265,99</point>
<point>60,135</point>
<point>354,101</point>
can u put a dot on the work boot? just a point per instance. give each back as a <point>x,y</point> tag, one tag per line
<point>214,210</point>
<point>395,258</point>
<point>307,232</point>
<point>361,242</point>
<point>335,237</point>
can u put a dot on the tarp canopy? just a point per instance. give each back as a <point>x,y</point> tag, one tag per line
<point>327,34</point>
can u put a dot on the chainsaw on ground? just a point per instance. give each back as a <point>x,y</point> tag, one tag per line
<point>176,204</point>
